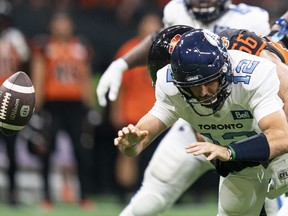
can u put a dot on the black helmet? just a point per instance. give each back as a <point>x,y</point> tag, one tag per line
<point>161,48</point>
<point>198,58</point>
<point>207,10</point>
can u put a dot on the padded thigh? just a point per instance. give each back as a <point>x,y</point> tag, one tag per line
<point>243,193</point>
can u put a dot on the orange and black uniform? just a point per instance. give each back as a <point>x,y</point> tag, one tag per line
<point>137,95</point>
<point>65,74</point>
<point>246,41</point>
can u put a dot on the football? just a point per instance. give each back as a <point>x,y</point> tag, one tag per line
<point>17,103</point>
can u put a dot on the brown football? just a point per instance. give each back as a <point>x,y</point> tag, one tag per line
<point>17,103</point>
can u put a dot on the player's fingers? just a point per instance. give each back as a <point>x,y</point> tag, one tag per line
<point>132,128</point>
<point>101,94</point>
<point>192,149</point>
<point>102,101</point>
<point>113,93</point>
<point>211,156</point>
<point>116,141</point>
<point>120,133</point>
<point>125,130</point>
<point>143,134</point>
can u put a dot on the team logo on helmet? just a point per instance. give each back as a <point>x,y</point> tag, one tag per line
<point>225,41</point>
<point>173,42</point>
<point>211,38</point>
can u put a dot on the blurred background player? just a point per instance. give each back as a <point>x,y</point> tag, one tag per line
<point>61,74</point>
<point>132,104</point>
<point>14,56</point>
<point>279,30</point>
<point>160,189</point>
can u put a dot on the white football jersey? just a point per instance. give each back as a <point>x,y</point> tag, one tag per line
<point>241,16</point>
<point>253,95</point>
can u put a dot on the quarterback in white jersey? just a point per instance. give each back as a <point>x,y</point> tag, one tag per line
<point>227,97</point>
<point>166,178</point>
<point>159,190</point>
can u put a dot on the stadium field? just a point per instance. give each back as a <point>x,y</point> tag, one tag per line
<point>104,207</point>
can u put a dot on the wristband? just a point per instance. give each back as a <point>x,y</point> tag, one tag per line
<point>255,148</point>
<point>232,153</point>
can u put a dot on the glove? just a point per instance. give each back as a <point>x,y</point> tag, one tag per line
<point>111,81</point>
<point>278,170</point>
<point>225,167</point>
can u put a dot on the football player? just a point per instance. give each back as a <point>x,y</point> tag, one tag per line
<point>158,57</point>
<point>223,95</point>
<point>214,15</point>
<point>211,14</point>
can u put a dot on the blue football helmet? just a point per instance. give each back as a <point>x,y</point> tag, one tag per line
<point>198,58</point>
<point>207,10</point>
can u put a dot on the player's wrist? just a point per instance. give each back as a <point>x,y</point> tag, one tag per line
<point>231,152</point>
<point>255,148</point>
<point>121,64</point>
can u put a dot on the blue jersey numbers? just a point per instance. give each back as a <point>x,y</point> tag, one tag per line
<point>245,68</point>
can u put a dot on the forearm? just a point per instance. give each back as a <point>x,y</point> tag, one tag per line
<point>138,55</point>
<point>276,130</point>
<point>132,140</point>
<point>278,143</point>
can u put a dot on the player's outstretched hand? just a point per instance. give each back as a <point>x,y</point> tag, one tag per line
<point>129,136</point>
<point>210,150</point>
<point>111,81</point>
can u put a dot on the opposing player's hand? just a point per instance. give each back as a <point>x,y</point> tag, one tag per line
<point>210,150</point>
<point>111,81</point>
<point>129,136</point>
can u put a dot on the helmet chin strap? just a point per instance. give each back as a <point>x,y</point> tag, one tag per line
<point>209,101</point>
<point>201,114</point>
<point>212,103</point>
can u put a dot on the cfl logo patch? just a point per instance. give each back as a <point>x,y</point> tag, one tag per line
<point>24,111</point>
<point>282,174</point>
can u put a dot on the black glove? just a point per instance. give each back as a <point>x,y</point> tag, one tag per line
<point>225,167</point>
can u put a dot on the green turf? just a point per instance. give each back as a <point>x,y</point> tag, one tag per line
<point>105,206</point>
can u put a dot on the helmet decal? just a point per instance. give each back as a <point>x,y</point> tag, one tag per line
<point>162,47</point>
<point>211,37</point>
<point>173,42</point>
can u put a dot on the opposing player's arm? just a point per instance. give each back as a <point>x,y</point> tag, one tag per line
<point>132,140</point>
<point>282,72</point>
<point>112,77</point>
<point>138,55</point>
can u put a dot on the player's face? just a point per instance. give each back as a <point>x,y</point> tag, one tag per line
<point>206,93</point>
